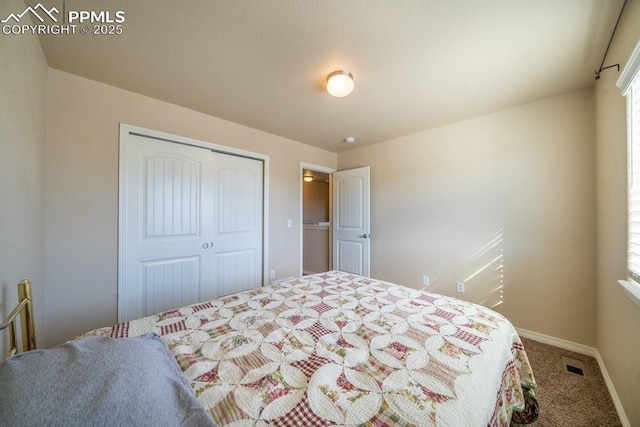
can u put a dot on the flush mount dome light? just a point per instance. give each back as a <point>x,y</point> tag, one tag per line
<point>340,83</point>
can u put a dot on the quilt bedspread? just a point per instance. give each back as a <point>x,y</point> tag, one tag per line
<point>340,349</point>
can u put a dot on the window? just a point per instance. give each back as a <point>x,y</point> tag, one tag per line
<point>629,84</point>
<point>634,178</point>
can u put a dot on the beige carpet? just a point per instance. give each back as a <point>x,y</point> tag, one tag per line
<point>568,399</point>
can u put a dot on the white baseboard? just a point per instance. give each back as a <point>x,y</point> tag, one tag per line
<point>587,351</point>
<point>558,342</point>
<point>612,391</point>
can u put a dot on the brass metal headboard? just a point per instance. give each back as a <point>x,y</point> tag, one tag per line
<point>25,310</point>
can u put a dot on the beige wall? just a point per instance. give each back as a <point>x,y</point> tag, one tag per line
<point>23,79</point>
<point>82,192</point>
<point>315,197</point>
<point>618,317</point>
<point>513,192</point>
<point>316,249</point>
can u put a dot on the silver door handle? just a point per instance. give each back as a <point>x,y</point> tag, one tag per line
<point>365,236</point>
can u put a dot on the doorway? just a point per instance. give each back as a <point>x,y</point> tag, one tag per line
<point>315,212</point>
<point>316,222</point>
<point>348,228</point>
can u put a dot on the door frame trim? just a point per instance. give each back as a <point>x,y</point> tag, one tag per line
<point>323,169</point>
<point>125,131</point>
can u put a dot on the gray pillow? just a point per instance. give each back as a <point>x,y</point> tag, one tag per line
<point>99,381</point>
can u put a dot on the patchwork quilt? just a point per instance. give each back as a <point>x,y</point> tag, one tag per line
<point>340,349</point>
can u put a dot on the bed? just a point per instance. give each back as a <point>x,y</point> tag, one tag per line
<point>23,311</point>
<point>340,349</point>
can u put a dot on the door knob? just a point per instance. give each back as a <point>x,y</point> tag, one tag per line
<point>365,236</point>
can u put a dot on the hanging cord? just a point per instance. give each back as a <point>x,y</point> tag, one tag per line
<point>602,67</point>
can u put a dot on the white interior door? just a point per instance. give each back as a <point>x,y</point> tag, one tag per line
<point>237,236</point>
<point>191,225</point>
<point>351,222</point>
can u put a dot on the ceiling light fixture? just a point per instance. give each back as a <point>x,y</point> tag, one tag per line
<point>307,178</point>
<point>340,83</point>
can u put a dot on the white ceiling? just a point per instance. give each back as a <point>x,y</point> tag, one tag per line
<point>417,64</point>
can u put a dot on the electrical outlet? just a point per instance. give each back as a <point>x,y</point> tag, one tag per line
<point>460,287</point>
<point>289,223</point>
<point>272,274</point>
<point>425,280</point>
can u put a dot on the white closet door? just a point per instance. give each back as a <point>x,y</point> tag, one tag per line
<point>237,218</point>
<point>351,224</point>
<point>185,226</point>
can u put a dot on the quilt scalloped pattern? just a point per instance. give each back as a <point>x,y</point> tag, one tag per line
<point>339,349</point>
